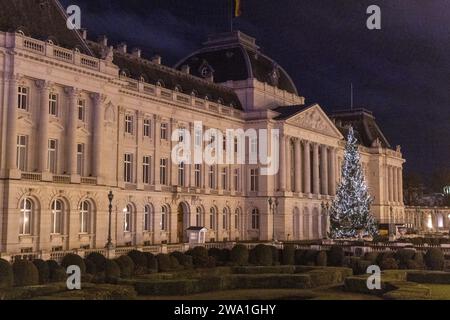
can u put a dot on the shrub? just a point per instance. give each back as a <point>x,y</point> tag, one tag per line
<point>98,260</point>
<point>57,273</point>
<point>152,263</point>
<point>417,241</point>
<point>261,255</point>
<point>174,264</point>
<point>310,257</point>
<point>112,270</point>
<point>43,271</point>
<point>225,256</point>
<point>378,238</point>
<point>413,265</point>
<point>336,256</point>
<point>288,254</point>
<point>6,274</point>
<point>139,258</point>
<point>434,259</point>
<point>275,256</point>
<point>126,266</point>
<point>419,259</point>
<point>164,263</point>
<point>360,266</point>
<point>199,257</point>
<point>403,256</point>
<point>183,259</point>
<point>211,262</point>
<point>389,264</point>
<point>321,259</point>
<point>239,255</point>
<point>72,259</point>
<point>385,255</point>
<point>90,266</point>
<point>25,273</point>
<point>434,277</point>
<point>371,256</point>
<point>299,257</point>
<point>214,252</point>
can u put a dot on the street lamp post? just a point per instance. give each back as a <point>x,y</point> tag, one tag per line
<point>109,244</point>
<point>273,204</point>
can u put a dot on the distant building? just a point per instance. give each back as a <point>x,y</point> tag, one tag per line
<point>80,118</point>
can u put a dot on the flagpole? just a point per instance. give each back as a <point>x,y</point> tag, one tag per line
<point>231,15</point>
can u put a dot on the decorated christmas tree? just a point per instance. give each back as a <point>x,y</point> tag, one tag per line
<point>350,212</point>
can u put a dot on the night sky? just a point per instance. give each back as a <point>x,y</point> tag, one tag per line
<point>401,72</point>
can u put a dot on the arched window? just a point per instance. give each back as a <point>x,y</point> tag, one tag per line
<point>148,218</point>
<point>212,218</point>
<point>164,217</point>
<point>85,215</point>
<point>57,216</point>
<point>26,216</point>
<point>255,219</point>
<point>237,213</point>
<point>225,219</point>
<point>127,214</point>
<point>198,217</point>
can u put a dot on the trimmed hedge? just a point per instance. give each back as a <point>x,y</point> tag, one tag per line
<point>321,259</point>
<point>152,263</point>
<point>57,273</point>
<point>336,256</point>
<point>239,255</point>
<point>200,257</point>
<point>298,257</point>
<point>140,261</point>
<point>388,264</point>
<point>6,274</point>
<point>434,259</point>
<point>164,263</point>
<point>98,260</point>
<point>264,270</point>
<point>126,266</point>
<point>403,256</point>
<point>90,267</point>
<point>288,255</point>
<point>25,273</point>
<point>112,270</point>
<point>72,259</point>
<point>261,255</point>
<point>43,271</point>
<point>183,260</point>
<point>434,277</point>
<point>174,264</point>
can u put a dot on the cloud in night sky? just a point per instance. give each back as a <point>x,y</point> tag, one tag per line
<point>401,73</point>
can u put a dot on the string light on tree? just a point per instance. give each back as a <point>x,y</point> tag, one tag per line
<point>350,215</point>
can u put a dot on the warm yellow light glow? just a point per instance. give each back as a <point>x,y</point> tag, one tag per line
<point>430,222</point>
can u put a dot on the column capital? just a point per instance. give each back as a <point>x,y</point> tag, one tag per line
<point>44,85</point>
<point>305,142</point>
<point>98,98</point>
<point>72,91</point>
<point>14,77</point>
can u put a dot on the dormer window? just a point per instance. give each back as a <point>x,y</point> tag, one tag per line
<point>160,83</point>
<point>205,70</point>
<point>177,88</point>
<point>220,101</point>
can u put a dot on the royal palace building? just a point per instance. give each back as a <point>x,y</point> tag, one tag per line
<point>81,118</point>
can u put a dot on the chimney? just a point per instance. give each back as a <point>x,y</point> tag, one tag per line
<point>186,69</point>
<point>84,34</point>
<point>136,52</point>
<point>103,40</point>
<point>156,59</point>
<point>122,48</point>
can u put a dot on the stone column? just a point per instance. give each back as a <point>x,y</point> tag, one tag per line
<point>391,184</point>
<point>332,187</point>
<point>400,184</point>
<point>44,91</point>
<point>97,147</point>
<point>72,120</point>
<point>316,178</point>
<point>324,167</point>
<point>157,147</point>
<point>307,167</point>
<point>288,164</point>
<point>298,168</point>
<point>139,134</point>
<point>11,152</point>
<point>395,177</point>
<point>282,171</point>
<point>120,151</point>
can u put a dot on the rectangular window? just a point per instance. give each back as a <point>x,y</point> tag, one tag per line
<point>128,168</point>
<point>22,152</point>
<point>254,177</point>
<point>237,185</point>
<point>80,159</point>
<point>198,175</point>
<point>163,171</point>
<point>225,178</point>
<point>129,124</point>
<point>164,223</point>
<point>164,131</point>
<point>53,104</point>
<point>212,178</point>
<point>147,128</point>
<point>82,110</point>
<point>52,156</point>
<point>22,98</point>
<point>146,163</point>
<point>181,179</point>
<point>127,220</point>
